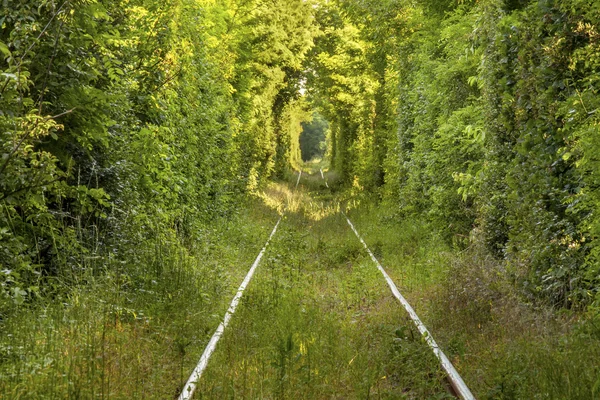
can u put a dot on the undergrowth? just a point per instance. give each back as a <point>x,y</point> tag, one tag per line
<point>317,321</point>
<point>136,330</point>
<point>505,344</point>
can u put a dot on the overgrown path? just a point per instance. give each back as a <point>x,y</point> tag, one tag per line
<point>318,320</point>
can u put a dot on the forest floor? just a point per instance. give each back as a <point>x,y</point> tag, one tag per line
<point>316,322</point>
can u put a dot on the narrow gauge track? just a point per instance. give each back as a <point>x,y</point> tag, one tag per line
<point>460,388</point>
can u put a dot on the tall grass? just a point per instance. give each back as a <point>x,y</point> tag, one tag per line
<point>317,321</point>
<point>511,347</point>
<point>130,327</point>
<point>505,345</point>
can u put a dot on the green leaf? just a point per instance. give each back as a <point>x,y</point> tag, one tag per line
<point>4,49</point>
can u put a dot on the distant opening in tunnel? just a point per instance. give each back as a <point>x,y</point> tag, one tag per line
<point>313,138</point>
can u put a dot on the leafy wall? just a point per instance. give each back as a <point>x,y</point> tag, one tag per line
<point>131,124</point>
<point>479,115</point>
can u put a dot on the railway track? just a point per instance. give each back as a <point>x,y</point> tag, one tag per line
<point>460,389</point>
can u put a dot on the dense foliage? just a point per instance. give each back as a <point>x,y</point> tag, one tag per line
<point>494,108</point>
<point>127,123</point>
<point>130,131</point>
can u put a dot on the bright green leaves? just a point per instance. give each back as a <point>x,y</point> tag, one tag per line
<point>344,87</point>
<point>272,41</point>
<point>4,50</point>
<point>476,114</point>
<point>531,169</point>
<point>163,113</point>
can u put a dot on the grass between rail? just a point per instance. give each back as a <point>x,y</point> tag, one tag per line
<point>316,322</point>
<point>319,322</point>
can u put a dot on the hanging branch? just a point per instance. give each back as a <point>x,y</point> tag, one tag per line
<point>24,188</point>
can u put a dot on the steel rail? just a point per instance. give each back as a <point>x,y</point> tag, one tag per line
<point>454,377</point>
<point>456,381</point>
<point>190,385</point>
